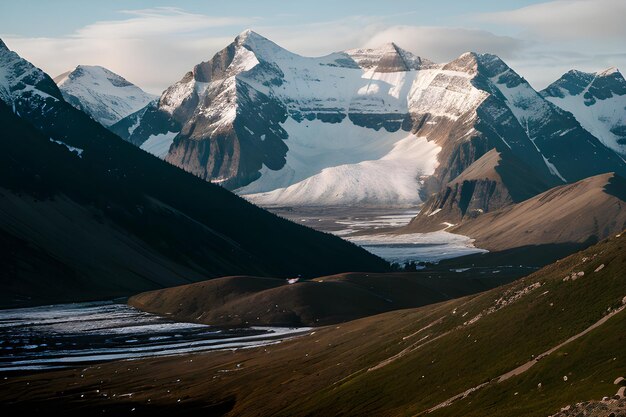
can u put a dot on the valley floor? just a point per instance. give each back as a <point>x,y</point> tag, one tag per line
<point>448,358</point>
<point>375,230</point>
<point>81,334</point>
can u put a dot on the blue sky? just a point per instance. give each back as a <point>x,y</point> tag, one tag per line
<point>153,43</point>
<point>60,17</point>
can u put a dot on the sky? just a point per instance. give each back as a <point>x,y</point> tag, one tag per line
<point>154,43</point>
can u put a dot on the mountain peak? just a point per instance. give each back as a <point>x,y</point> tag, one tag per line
<point>253,40</point>
<point>90,67</point>
<point>488,65</point>
<point>263,48</point>
<point>388,57</point>
<point>389,46</point>
<point>466,62</point>
<point>104,95</point>
<point>608,72</point>
<point>595,85</point>
<point>3,45</point>
<point>249,34</point>
<point>93,74</point>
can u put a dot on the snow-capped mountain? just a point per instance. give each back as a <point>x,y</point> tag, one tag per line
<point>364,126</point>
<point>101,93</point>
<point>25,88</point>
<point>597,100</point>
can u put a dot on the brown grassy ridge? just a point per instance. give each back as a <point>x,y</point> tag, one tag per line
<point>246,300</point>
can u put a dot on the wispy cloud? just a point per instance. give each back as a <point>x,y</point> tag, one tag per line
<point>151,47</point>
<point>583,34</point>
<point>155,47</point>
<point>438,43</point>
<point>566,19</point>
<point>155,22</point>
<point>444,43</point>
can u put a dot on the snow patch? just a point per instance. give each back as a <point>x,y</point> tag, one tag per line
<point>159,145</point>
<point>73,149</point>
<point>599,118</point>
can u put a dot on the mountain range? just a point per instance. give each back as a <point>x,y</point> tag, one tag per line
<point>106,191</point>
<point>370,127</point>
<point>364,126</point>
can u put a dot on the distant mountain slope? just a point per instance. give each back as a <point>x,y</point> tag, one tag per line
<point>513,114</point>
<point>495,180</point>
<point>597,100</point>
<point>365,126</point>
<point>525,349</point>
<point>88,215</point>
<point>102,94</point>
<point>586,211</point>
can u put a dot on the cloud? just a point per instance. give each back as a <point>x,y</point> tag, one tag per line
<point>442,44</point>
<point>567,34</point>
<point>566,19</point>
<point>541,68</point>
<point>438,43</point>
<point>322,38</point>
<point>151,47</point>
<point>154,22</point>
<point>156,47</point>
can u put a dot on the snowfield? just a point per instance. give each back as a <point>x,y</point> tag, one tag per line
<point>342,163</point>
<point>392,179</point>
<point>159,145</point>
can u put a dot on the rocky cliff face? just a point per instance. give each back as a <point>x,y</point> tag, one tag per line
<point>540,146</point>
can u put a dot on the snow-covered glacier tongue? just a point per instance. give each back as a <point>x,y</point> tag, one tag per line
<point>377,170</point>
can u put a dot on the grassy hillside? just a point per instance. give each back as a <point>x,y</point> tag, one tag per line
<point>398,363</point>
<point>245,300</point>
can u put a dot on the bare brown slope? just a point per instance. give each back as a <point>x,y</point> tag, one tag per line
<point>586,211</point>
<point>246,300</point>
<point>495,180</point>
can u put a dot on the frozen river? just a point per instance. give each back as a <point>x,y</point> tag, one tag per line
<point>67,335</point>
<point>375,230</point>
